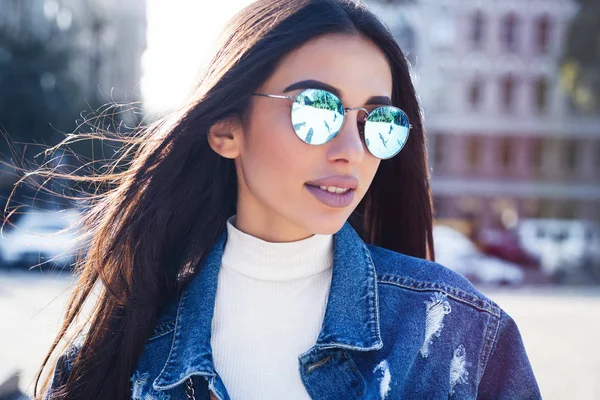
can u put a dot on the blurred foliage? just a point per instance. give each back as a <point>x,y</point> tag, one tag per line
<point>321,99</point>
<point>39,99</point>
<point>580,72</point>
<point>42,104</point>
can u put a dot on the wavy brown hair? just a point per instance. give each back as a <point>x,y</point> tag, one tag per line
<point>156,219</point>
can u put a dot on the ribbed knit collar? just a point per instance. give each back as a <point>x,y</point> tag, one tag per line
<point>262,260</point>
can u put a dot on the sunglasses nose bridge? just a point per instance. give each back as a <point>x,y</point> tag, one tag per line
<point>356,108</point>
<point>366,112</point>
<point>358,118</point>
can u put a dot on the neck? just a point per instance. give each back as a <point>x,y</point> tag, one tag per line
<point>264,260</point>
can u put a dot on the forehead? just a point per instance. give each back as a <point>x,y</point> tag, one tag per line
<point>351,63</point>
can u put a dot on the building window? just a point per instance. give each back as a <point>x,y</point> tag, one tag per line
<point>565,209</point>
<point>543,27</point>
<point>508,92</point>
<point>548,157</point>
<point>531,207</point>
<point>475,93</point>
<point>541,94</point>
<point>439,148</point>
<point>536,154</point>
<point>510,25</point>
<point>477,24</point>
<point>570,154</point>
<point>546,211</point>
<point>505,152</point>
<point>473,152</point>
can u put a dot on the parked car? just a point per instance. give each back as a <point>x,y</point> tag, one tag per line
<point>40,237</point>
<point>505,244</point>
<point>455,251</point>
<point>563,246</point>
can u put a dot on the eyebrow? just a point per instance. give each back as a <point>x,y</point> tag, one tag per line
<point>314,84</point>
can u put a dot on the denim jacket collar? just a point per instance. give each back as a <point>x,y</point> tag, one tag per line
<point>351,318</point>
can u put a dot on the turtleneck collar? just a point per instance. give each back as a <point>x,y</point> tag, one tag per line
<point>262,260</point>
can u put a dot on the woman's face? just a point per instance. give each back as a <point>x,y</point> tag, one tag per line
<point>274,165</point>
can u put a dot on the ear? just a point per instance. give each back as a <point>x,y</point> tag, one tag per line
<point>224,137</point>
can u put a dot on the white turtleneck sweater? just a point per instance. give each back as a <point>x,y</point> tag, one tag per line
<point>269,307</point>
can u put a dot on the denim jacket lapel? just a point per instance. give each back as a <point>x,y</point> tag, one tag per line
<point>351,323</point>
<point>352,315</point>
<point>351,318</point>
<point>191,352</point>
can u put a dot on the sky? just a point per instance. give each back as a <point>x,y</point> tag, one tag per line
<point>180,35</point>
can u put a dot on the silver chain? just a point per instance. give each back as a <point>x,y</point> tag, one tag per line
<point>190,389</point>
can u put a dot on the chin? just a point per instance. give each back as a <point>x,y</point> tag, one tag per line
<point>327,224</point>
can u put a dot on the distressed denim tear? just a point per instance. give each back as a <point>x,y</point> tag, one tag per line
<point>139,381</point>
<point>385,378</point>
<point>458,368</point>
<point>437,308</point>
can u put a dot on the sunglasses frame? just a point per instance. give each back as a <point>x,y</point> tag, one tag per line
<point>346,109</point>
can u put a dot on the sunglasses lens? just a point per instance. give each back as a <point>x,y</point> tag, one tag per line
<point>386,131</point>
<point>317,116</point>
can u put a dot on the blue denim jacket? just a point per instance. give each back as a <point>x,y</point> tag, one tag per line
<point>395,327</point>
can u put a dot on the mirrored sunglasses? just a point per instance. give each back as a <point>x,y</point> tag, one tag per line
<point>318,116</point>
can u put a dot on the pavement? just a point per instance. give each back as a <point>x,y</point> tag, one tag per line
<point>560,328</point>
<point>31,308</point>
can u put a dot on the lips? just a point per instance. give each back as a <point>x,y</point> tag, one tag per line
<point>340,181</point>
<point>337,200</point>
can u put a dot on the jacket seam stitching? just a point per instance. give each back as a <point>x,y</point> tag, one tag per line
<point>354,368</point>
<point>451,292</point>
<point>173,344</point>
<point>494,340</point>
<point>374,303</point>
<point>162,330</point>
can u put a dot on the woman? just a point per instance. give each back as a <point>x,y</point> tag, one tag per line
<point>271,239</point>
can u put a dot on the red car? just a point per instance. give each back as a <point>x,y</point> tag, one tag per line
<point>505,244</point>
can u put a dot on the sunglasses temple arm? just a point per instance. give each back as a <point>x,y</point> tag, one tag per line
<point>274,96</point>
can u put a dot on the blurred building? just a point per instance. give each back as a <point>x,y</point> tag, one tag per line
<point>504,141</point>
<point>107,37</point>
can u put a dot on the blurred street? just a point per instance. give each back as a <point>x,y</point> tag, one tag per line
<point>31,307</point>
<point>559,327</point>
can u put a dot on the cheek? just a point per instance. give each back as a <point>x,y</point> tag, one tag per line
<point>273,154</point>
<point>368,170</point>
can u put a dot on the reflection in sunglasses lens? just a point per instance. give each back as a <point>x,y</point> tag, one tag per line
<point>317,116</point>
<point>386,131</point>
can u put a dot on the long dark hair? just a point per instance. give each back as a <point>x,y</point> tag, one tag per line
<point>157,219</point>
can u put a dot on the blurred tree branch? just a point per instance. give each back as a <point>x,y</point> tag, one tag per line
<point>580,71</point>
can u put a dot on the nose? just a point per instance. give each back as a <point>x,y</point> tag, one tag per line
<point>348,145</point>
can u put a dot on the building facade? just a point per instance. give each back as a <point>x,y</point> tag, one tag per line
<point>504,141</point>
